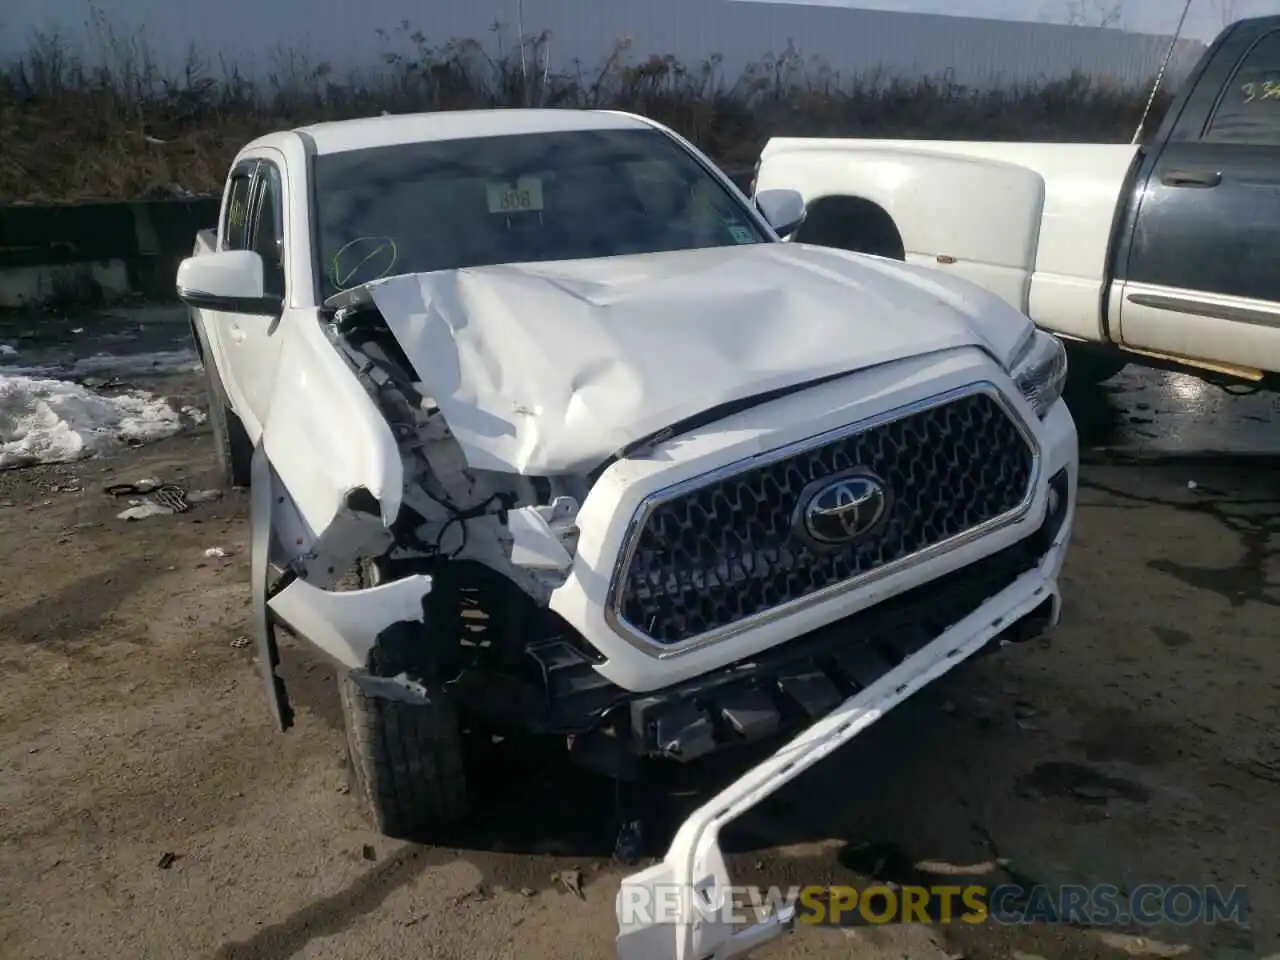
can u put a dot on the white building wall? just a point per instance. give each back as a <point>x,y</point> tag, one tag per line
<point>345,35</point>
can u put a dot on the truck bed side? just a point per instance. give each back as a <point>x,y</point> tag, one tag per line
<point>1030,221</point>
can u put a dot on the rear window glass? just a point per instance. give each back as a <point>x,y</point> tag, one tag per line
<point>1249,111</point>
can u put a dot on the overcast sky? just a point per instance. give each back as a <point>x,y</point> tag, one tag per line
<point>1147,16</point>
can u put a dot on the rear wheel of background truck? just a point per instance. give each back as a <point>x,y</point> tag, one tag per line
<point>231,443</point>
<point>852,223</point>
<point>406,761</point>
<point>1090,367</point>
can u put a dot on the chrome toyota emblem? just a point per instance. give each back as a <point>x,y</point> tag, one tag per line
<point>837,511</point>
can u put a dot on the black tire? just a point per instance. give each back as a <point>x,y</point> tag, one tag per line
<point>406,761</point>
<point>1091,367</point>
<point>231,443</point>
<point>851,223</point>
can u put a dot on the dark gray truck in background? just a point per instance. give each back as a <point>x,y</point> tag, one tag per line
<point>1162,252</point>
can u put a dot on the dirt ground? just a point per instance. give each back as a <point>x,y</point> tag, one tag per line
<point>148,809</point>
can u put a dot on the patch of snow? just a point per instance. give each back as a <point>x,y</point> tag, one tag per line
<point>54,421</point>
<point>135,364</point>
<point>143,510</point>
<point>197,415</point>
<point>7,350</point>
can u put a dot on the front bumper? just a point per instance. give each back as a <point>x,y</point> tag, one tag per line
<point>804,679</point>
<point>681,908</point>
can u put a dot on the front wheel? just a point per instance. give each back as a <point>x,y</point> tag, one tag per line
<point>406,759</point>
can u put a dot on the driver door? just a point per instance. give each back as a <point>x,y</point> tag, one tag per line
<point>255,341</point>
<point>1202,281</point>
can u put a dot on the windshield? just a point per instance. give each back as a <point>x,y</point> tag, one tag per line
<point>447,204</point>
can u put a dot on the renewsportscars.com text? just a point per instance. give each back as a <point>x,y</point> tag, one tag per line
<point>1104,905</point>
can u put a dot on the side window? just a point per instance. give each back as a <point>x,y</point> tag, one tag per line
<point>235,225</point>
<point>1249,110</point>
<point>268,230</point>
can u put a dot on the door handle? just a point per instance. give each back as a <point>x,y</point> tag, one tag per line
<point>1191,178</point>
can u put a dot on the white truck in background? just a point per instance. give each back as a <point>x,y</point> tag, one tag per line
<point>1161,254</point>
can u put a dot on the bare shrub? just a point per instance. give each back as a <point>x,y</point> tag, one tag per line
<point>123,129</point>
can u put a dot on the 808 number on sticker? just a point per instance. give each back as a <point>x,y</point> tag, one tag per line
<point>523,196</point>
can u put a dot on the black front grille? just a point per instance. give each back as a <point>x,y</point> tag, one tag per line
<point>849,655</point>
<point>712,556</point>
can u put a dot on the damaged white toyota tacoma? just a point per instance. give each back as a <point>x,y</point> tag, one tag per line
<point>547,433</point>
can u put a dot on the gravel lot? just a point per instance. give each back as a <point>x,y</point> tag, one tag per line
<point>149,809</point>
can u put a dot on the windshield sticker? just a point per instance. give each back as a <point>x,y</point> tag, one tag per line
<point>523,196</point>
<point>741,234</point>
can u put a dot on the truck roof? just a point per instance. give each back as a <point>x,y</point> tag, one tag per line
<point>389,130</point>
<point>1272,19</point>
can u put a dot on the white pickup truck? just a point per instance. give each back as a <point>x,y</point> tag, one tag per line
<point>1162,254</point>
<point>547,433</point>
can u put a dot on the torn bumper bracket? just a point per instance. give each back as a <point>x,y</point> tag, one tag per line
<point>343,624</point>
<point>264,630</point>
<point>682,908</point>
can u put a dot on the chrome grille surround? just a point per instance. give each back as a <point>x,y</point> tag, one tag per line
<point>996,420</point>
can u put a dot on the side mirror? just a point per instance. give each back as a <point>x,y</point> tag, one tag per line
<point>227,281</point>
<point>784,209</point>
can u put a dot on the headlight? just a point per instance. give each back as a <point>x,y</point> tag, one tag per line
<point>1040,371</point>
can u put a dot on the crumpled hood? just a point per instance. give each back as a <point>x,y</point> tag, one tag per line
<point>551,368</point>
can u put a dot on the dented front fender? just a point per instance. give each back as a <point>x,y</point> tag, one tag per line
<point>324,435</point>
<point>345,624</point>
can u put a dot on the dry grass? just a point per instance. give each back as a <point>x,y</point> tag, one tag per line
<point>126,130</point>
